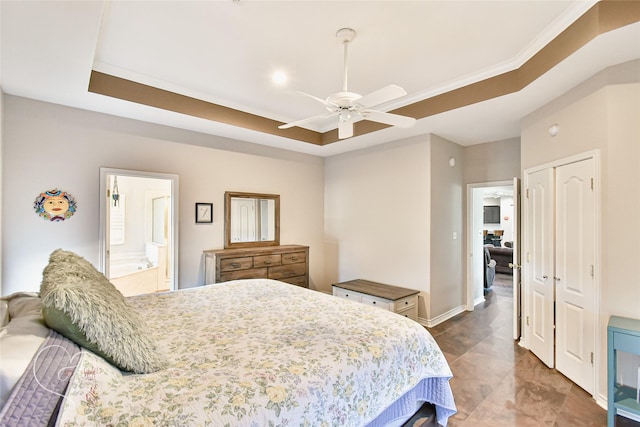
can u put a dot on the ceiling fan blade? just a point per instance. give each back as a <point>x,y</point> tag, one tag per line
<point>381,96</point>
<point>345,129</point>
<point>322,101</point>
<point>388,118</point>
<point>307,120</point>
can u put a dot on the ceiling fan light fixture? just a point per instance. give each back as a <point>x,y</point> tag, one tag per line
<point>344,116</point>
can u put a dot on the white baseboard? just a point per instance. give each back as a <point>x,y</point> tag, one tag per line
<point>430,323</point>
<point>602,401</point>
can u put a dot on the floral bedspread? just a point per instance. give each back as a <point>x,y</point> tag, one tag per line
<point>262,353</point>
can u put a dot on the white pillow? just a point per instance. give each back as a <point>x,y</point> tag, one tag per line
<point>20,338</point>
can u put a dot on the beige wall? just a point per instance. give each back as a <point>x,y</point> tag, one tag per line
<point>376,215</point>
<point>492,161</point>
<point>447,239</point>
<point>390,215</point>
<point>47,146</point>
<point>602,114</point>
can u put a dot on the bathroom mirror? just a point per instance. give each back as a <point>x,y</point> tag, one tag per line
<point>251,219</point>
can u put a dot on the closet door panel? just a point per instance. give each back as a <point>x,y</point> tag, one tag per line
<point>574,277</point>
<point>539,269</point>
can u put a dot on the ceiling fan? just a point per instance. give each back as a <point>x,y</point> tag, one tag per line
<point>348,106</point>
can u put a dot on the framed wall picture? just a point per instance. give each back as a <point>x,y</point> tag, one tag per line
<point>204,213</point>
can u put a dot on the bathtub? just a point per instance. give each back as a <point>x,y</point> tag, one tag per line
<point>138,274</point>
<point>124,267</point>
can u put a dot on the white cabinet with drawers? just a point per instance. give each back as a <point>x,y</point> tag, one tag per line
<point>402,301</point>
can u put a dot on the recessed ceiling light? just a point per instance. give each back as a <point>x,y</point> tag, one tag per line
<point>279,78</point>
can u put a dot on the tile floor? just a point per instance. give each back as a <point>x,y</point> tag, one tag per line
<point>498,383</point>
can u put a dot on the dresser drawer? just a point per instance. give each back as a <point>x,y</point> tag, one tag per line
<point>252,273</point>
<point>298,281</point>
<point>294,257</point>
<point>285,271</point>
<point>382,303</point>
<point>232,264</point>
<point>405,303</point>
<point>267,260</point>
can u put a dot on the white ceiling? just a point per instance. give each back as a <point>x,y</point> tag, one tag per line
<point>225,52</point>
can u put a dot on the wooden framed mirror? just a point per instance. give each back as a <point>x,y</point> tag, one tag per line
<point>251,219</point>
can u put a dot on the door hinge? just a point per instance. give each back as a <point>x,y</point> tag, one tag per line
<point>527,193</point>
<point>592,184</point>
<point>108,193</point>
<point>591,270</point>
<point>527,320</point>
<point>592,357</point>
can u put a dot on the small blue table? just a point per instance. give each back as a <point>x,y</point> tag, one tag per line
<point>623,334</point>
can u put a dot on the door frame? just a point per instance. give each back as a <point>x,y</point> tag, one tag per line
<point>473,252</point>
<point>524,341</point>
<point>103,233</point>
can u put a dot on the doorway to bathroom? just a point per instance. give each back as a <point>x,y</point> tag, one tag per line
<point>138,226</point>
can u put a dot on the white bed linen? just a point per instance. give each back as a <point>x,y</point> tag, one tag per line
<point>262,352</point>
<point>20,337</point>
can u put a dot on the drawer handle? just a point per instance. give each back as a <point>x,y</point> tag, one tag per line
<point>374,302</point>
<point>268,261</point>
<point>346,295</point>
<point>235,264</point>
<point>294,258</point>
<point>406,302</point>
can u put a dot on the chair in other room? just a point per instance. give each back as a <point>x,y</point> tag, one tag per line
<point>489,268</point>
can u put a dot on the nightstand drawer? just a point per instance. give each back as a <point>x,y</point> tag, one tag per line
<point>382,303</point>
<point>345,294</point>
<point>405,303</point>
<point>232,264</point>
<point>410,313</point>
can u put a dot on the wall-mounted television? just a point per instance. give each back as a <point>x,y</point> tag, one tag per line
<point>491,215</point>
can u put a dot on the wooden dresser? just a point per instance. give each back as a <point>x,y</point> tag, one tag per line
<point>402,301</point>
<point>287,263</point>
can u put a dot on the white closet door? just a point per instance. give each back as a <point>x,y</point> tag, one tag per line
<point>539,264</point>
<point>574,272</point>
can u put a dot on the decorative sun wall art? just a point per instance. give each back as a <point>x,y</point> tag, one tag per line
<point>55,205</point>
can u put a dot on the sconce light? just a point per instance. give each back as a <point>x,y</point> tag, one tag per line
<point>115,194</point>
<point>452,161</point>
<point>554,129</point>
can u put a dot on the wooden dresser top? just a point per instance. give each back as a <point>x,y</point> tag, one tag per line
<point>244,251</point>
<point>376,289</point>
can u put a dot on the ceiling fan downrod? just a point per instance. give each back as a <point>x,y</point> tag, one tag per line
<point>345,35</point>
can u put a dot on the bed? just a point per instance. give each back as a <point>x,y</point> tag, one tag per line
<point>242,353</point>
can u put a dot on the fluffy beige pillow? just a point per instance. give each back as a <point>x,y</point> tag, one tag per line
<point>80,303</point>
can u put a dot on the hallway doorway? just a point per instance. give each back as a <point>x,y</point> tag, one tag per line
<point>492,219</point>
